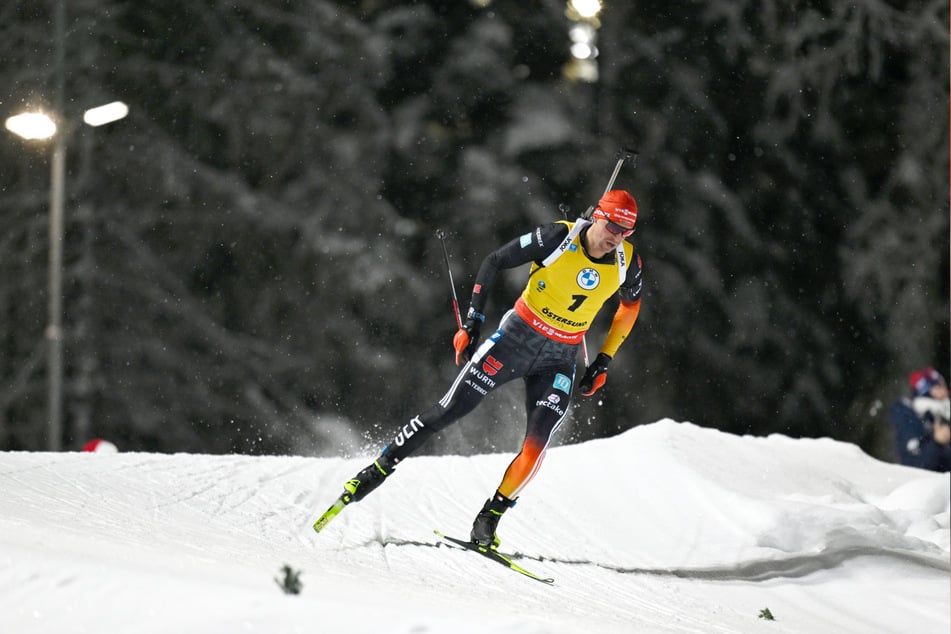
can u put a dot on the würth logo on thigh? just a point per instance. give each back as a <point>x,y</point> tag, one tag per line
<point>491,366</point>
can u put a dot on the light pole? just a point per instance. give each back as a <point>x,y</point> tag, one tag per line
<point>583,33</point>
<point>36,125</point>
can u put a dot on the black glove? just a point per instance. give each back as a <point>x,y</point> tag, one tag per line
<point>467,338</point>
<point>595,376</point>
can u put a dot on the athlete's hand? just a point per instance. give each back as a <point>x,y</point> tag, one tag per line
<point>595,376</point>
<point>466,339</point>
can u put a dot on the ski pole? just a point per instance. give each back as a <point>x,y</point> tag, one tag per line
<point>441,234</point>
<point>584,351</point>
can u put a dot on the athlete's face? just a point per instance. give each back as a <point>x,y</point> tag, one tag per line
<point>604,237</point>
<point>939,391</point>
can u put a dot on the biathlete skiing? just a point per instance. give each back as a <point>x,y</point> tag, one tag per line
<point>576,268</point>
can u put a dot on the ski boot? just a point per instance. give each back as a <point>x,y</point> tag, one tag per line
<point>368,479</point>
<point>486,522</point>
<point>357,488</point>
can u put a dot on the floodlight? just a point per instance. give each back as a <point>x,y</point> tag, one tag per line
<point>105,114</point>
<point>31,125</point>
<point>587,9</point>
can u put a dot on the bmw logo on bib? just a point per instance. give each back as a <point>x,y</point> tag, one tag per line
<point>588,279</point>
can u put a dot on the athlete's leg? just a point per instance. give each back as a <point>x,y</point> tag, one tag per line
<point>461,399</point>
<point>488,369</point>
<point>547,398</point>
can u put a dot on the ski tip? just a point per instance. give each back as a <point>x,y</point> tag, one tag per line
<point>330,513</point>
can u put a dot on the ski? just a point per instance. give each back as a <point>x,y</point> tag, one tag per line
<point>495,556</point>
<point>332,512</point>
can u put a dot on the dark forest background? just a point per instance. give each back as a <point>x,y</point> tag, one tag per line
<point>250,259</point>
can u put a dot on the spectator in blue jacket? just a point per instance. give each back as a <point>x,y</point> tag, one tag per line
<point>921,422</point>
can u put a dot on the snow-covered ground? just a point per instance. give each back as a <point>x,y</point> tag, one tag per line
<point>668,527</point>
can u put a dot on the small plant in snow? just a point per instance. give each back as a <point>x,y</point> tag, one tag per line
<point>766,614</point>
<point>290,584</point>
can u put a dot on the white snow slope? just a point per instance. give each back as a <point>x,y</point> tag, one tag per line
<point>668,527</point>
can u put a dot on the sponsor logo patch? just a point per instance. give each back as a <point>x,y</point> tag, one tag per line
<point>408,430</point>
<point>588,279</point>
<point>475,387</point>
<point>491,365</point>
<point>550,405</point>
<point>562,383</point>
<point>525,240</point>
<point>481,376</point>
<point>561,320</point>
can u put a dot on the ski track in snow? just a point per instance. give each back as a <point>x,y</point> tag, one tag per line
<point>666,528</point>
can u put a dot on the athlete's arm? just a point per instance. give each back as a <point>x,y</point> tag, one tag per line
<point>627,311</point>
<point>534,246</point>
